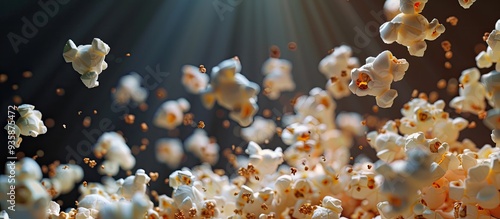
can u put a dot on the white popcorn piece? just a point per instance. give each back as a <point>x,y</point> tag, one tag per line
<point>136,208</point>
<point>472,93</point>
<point>181,177</point>
<point>187,197</point>
<point>336,68</point>
<point>95,200</point>
<point>317,104</point>
<point>485,59</point>
<point>330,208</point>
<point>375,77</point>
<point>491,82</point>
<point>261,130</point>
<point>411,30</point>
<point>4,215</point>
<point>448,130</point>
<point>265,161</point>
<point>351,122</point>
<point>202,147</point>
<point>412,6</point>
<point>87,60</point>
<point>193,80</point>
<point>433,147</point>
<point>304,140</point>
<point>129,90</point>
<point>169,151</point>
<point>466,3</point>
<point>278,77</point>
<point>116,153</point>
<point>66,176</point>
<point>133,184</point>
<point>29,123</point>
<point>232,91</point>
<point>391,8</point>
<point>171,113</point>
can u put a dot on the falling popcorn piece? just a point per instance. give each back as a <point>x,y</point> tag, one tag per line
<point>28,124</point>
<point>193,79</point>
<point>260,130</point>
<point>233,91</point>
<point>202,147</point>
<point>169,151</point>
<point>375,77</point>
<point>466,3</point>
<point>278,77</point>
<point>337,67</point>
<point>171,113</point>
<point>116,153</point>
<point>485,59</point>
<point>129,90</point>
<point>410,28</point>
<point>471,96</point>
<point>87,60</point>
<point>391,8</point>
<point>133,184</point>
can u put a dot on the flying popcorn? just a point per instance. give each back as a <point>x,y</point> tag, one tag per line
<point>337,67</point>
<point>87,60</point>
<point>136,208</point>
<point>265,161</point>
<point>351,122</point>
<point>171,113</point>
<point>411,30</point>
<point>485,59</point>
<point>232,91</point>
<point>261,130</point>
<point>317,104</point>
<point>28,124</point>
<point>278,77</point>
<point>388,144</point>
<point>25,195</point>
<point>466,3</point>
<point>63,182</point>
<point>391,8</point>
<point>472,94</point>
<point>133,184</point>
<point>375,77</point>
<point>193,80</point>
<point>116,153</point>
<point>129,90</point>
<point>169,151</point>
<point>202,147</point>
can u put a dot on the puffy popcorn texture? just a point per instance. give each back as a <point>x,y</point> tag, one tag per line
<point>423,171</point>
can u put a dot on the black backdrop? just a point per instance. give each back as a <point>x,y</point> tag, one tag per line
<point>169,34</point>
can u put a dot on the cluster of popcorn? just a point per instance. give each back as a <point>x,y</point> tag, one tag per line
<point>409,28</point>
<point>29,123</point>
<point>485,59</point>
<point>278,77</point>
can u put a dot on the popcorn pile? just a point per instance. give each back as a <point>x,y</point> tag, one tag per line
<point>424,169</point>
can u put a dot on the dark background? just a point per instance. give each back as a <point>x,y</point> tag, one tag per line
<point>170,34</point>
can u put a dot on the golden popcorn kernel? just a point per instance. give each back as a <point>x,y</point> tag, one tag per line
<point>129,118</point>
<point>472,125</point>
<point>447,65</point>
<point>362,81</point>
<point>161,93</point>
<point>145,141</point>
<point>360,147</point>
<point>87,121</point>
<point>17,99</point>
<point>433,96</point>
<point>441,84</point>
<point>86,160</point>
<point>485,36</point>
<point>144,127</point>
<point>102,167</point>
<point>202,69</point>
<point>448,55</point>
<point>49,123</point>
<point>92,163</point>
<point>143,147</point>
<point>414,93</point>
<point>201,124</point>
<point>423,96</point>
<point>274,52</point>
<point>128,54</point>
<point>307,209</point>
<point>3,78</point>
<point>15,87</point>
<point>192,212</point>
<point>446,45</point>
<point>154,176</point>
<point>27,74</point>
<point>85,183</point>
<point>60,91</point>
<point>226,124</point>
<point>452,20</point>
<point>375,108</point>
<point>292,46</point>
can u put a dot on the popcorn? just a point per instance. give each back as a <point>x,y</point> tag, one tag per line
<point>472,94</point>
<point>491,82</point>
<point>133,184</point>
<point>466,3</point>
<point>304,140</point>
<point>391,8</point>
<point>181,177</point>
<point>87,60</point>
<point>202,147</point>
<point>265,161</point>
<point>388,143</point>
<point>351,122</point>
<point>375,78</point>
<point>116,153</point>
<point>28,124</point>
<point>330,208</point>
<point>336,68</point>
<point>232,91</point>
<point>169,151</point>
<point>448,130</point>
<point>485,59</point>
<point>261,130</point>
<point>136,208</point>
<point>171,113</point>
<point>129,89</point>
<point>318,105</point>
<point>278,77</point>
<point>411,29</point>
<point>193,80</point>
<point>66,175</point>
<point>187,197</point>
